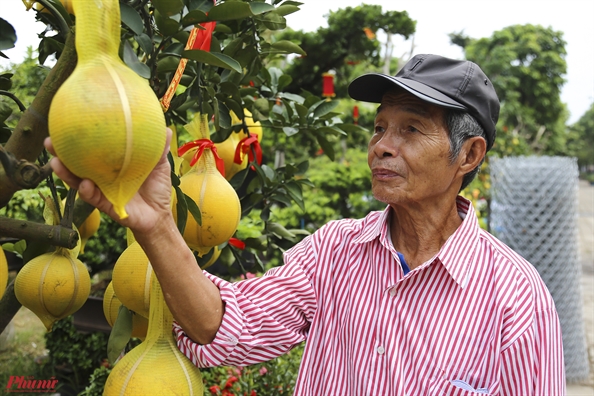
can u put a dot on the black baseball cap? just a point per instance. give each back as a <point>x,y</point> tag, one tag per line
<point>456,84</point>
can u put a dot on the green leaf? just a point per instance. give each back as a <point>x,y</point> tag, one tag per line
<point>229,11</point>
<point>213,58</point>
<point>279,230</point>
<point>351,128</point>
<point>120,334</point>
<point>260,8</point>
<point>167,64</point>
<point>274,21</point>
<point>166,25</point>
<point>328,130</point>
<point>168,7</point>
<point>268,172</point>
<point>144,42</point>
<point>194,209</point>
<point>301,110</point>
<point>293,97</point>
<point>182,210</point>
<point>283,81</point>
<point>5,111</point>
<point>132,61</point>
<point>131,18</point>
<point>325,108</point>
<point>288,47</point>
<point>290,131</point>
<point>262,105</point>
<point>194,17</point>
<point>7,35</point>
<point>286,9</point>
<point>326,146</point>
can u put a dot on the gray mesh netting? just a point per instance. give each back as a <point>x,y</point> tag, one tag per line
<point>534,211</point>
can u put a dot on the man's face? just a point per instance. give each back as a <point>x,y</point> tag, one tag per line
<point>409,152</point>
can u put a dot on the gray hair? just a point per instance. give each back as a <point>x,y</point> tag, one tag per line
<point>463,126</point>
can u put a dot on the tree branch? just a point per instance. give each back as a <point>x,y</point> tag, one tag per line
<point>22,173</point>
<point>39,232</point>
<point>26,142</point>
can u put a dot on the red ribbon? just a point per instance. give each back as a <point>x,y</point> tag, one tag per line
<point>202,144</point>
<point>237,243</point>
<point>243,147</point>
<point>204,37</point>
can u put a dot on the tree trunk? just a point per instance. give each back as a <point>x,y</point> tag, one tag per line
<point>26,141</point>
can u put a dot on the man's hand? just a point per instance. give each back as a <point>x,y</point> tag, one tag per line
<point>146,209</point>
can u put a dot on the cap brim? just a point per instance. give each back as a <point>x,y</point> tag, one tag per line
<point>372,87</point>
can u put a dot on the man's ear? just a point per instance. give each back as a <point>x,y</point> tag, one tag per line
<point>472,153</point>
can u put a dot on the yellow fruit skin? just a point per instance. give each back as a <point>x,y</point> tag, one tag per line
<point>218,202</point>
<point>111,308</point>
<point>53,286</point>
<point>105,121</point>
<point>156,366</point>
<point>88,228</point>
<point>3,272</point>
<point>131,279</point>
<point>226,150</point>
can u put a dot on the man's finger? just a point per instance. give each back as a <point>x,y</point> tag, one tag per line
<point>64,174</point>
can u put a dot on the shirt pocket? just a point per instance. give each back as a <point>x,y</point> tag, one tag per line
<point>444,387</point>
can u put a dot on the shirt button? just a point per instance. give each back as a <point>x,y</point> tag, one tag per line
<point>393,291</point>
<point>380,350</point>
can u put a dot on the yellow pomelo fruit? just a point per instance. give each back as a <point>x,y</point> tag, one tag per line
<point>131,278</point>
<point>111,308</point>
<point>53,286</point>
<point>253,126</point>
<point>215,255</point>
<point>218,202</point>
<point>105,121</point>
<point>88,228</point>
<point>226,150</point>
<point>3,272</point>
<point>156,366</point>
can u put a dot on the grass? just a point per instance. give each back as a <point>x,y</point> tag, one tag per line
<point>24,347</point>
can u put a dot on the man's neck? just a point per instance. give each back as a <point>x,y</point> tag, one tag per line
<point>419,232</point>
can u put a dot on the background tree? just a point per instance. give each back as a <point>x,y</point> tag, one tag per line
<point>526,64</point>
<point>350,39</point>
<point>582,140</point>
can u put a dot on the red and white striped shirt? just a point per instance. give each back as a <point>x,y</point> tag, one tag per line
<point>475,316</point>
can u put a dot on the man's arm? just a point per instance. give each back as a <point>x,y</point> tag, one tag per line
<point>533,364</point>
<point>193,299</point>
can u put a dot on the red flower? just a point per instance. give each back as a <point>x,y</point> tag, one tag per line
<point>231,381</point>
<point>214,389</point>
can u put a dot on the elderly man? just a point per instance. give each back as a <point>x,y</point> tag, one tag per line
<point>413,300</point>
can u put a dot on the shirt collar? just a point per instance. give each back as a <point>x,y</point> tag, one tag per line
<point>458,253</point>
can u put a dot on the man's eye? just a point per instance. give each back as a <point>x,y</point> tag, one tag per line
<point>379,129</point>
<point>412,129</point>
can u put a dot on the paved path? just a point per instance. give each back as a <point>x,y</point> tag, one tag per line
<point>586,237</point>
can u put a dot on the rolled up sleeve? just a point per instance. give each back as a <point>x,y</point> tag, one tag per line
<point>264,317</point>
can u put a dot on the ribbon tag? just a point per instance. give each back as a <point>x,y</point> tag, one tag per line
<point>202,144</point>
<point>237,243</point>
<point>243,148</point>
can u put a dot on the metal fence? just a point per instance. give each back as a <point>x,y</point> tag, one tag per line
<point>534,211</point>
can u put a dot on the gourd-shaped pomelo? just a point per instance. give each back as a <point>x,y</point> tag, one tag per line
<point>131,279</point>
<point>156,366</point>
<point>53,286</point>
<point>105,121</point>
<point>111,308</point>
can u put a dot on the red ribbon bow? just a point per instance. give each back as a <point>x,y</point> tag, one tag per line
<point>243,147</point>
<point>202,144</point>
